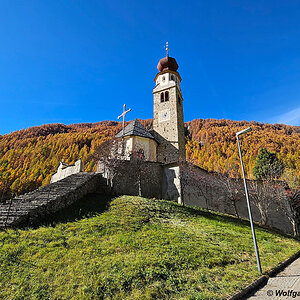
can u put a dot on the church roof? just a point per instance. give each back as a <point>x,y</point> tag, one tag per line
<point>135,128</point>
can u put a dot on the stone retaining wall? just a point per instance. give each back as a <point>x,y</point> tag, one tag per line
<point>200,188</point>
<point>31,208</point>
<point>125,181</point>
<point>209,191</point>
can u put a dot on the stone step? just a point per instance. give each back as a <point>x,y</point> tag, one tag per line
<point>14,215</point>
<point>10,213</point>
<point>5,217</point>
<point>20,208</point>
<point>7,221</point>
<point>16,206</point>
<point>9,224</point>
<point>22,205</point>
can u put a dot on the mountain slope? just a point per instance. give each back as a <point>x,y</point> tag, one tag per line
<point>29,157</point>
<point>212,144</point>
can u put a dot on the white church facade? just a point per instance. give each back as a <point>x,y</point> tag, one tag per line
<point>135,138</point>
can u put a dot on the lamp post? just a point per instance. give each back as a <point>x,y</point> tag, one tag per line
<point>247,197</point>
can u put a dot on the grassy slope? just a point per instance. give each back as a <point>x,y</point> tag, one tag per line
<point>139,248</point>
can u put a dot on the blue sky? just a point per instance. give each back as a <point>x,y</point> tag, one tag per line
<point>80,61</point>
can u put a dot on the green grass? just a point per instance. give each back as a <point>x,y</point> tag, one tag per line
<point>138,249</point>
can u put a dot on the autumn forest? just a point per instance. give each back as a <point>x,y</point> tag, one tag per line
<point>29,157</point>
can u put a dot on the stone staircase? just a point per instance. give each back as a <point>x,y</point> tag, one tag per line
<point>31,208</point>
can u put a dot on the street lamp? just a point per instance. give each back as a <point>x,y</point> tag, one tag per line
<point>247,197</point>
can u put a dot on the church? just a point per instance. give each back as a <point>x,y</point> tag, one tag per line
<point>162,147</point>
<point>162,174</point>
<point>165,143</point>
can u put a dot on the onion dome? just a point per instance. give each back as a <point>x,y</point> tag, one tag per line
<point>167,63</point>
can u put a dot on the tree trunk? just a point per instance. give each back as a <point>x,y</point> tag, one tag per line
<point>181,199</point>
<point>235,208</point>
<point>263,215</point>
<point>295,231</point>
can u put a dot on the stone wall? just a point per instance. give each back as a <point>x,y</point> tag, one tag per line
<point>194,187</point>
<point>65,170</point>
<point>32,208</point>
<point>125,181</point>
<point>209,191</point>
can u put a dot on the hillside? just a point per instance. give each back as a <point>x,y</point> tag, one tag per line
<point>147,247</point>
<point>29,157</point>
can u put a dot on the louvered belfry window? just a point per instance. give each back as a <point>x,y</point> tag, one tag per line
<point>166,96</point>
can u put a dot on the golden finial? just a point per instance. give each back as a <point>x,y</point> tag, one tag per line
<point>167,48</point>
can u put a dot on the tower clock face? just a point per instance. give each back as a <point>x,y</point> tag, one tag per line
<point>164,115</point>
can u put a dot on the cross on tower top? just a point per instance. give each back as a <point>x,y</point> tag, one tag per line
<point>167,48</point>
<point>123,115</point>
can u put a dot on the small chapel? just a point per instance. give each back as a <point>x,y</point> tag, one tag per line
<point>165,143</point>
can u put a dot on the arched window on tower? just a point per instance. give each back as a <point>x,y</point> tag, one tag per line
<point>162,97</point>
<point>166,96</point>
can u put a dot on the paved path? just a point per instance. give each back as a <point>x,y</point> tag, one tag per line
<point>285,281</point>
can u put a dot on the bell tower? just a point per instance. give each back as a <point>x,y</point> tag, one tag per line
<point>168,121</point>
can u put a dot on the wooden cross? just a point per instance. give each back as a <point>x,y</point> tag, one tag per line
<point>123,115</point>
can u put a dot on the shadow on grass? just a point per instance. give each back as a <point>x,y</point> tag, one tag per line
<point>89,206</point>
<point>217,216</point>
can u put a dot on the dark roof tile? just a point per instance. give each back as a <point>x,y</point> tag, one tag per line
<point>135,128</point>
